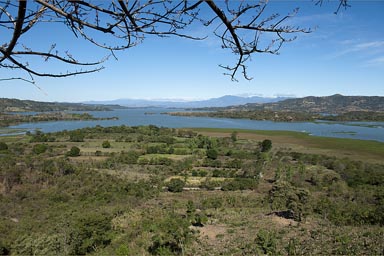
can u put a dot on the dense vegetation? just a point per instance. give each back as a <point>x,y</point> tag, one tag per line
<point>331,108</point>
<point>157,191</point>
<point>253,115</point>
<point>13,119</point>
<point>334,104</point>
<point>285,116</point>
<point>356,116</point>
<point>12,105</point>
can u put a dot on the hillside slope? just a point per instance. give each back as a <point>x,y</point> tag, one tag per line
<point>335,104</point>
<point>15,105</point>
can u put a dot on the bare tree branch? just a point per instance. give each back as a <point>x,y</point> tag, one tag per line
<point>129,15</point>
<point>72,18</point>
<point>243,27</point>
<point>17,29</point>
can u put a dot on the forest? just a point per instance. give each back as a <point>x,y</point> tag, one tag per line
<point>149,190</point>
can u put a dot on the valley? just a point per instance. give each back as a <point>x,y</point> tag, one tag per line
<point>149,190</point>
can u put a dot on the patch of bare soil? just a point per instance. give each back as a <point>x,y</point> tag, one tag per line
<point>211,232</point>
<point>281,221</point>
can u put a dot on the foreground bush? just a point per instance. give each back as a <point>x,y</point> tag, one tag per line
<point>176,185</point>
<point>75,151</point>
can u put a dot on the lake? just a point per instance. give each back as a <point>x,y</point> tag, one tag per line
<point>147,116</point>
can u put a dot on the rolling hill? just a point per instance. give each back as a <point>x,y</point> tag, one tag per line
<point>15,105</point>
<point>334,104</point>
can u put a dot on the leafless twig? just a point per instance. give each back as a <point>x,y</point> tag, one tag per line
<point>243,27</point>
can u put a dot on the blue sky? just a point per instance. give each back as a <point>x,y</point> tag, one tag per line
<point>345,54</point>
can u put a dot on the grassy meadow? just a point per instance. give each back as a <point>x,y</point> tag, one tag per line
<point>303,142</point>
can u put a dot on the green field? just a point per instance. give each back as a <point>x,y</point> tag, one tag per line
<point>352,148</point>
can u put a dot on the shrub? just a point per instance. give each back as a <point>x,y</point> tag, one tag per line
<point>4,250</point>
<point>38,136</point>
<point>75,151</point>
<point>39,148</point>
<point>210,184</point>
<point>240,184</point>
<point>76,137</point>
<point>211,163</point>
<point>91,231</point>
<point>176,185</point>
<point>130,157</point>
<point>266,242</point>
<point>162,161</point>
<point>106,144</point>
<point>170,236</point>
<point>212,154</point>
<point>284,197</point>
<point>234,136</point>
<point>265,145</point>
<point>3,146</point>
<point>122,250</point>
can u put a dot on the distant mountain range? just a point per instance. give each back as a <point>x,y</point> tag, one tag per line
<point>334,104</point>
<point>224,101</point>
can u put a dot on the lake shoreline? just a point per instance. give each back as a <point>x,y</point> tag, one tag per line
<point>138,117</point>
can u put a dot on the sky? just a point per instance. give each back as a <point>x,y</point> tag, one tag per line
<point>344,54</point>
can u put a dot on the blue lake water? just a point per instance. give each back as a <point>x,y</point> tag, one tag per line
<point>136,117</point>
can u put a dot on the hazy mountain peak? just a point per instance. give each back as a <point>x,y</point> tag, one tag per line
<point>224,101</point>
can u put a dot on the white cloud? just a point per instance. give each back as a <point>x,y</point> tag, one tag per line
<point>288,95</point>
<point>379,61</point>
<point>249,94</point>
<point>369,45</point>
<point>353,47</point>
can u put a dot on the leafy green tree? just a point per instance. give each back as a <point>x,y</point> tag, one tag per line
<point>197,219</point>
<point>42,244</point>
<point>9,175</point>
<point>38,136</point>
<point>39,148</point>
<point>212,154</point>
<point>91,231</point>
<point>234,136</point>
<point>130,157</point>
<point>176,185</point>
<point>171,235</point>
<point>123,250</point>
<point>3,146</point>
<point>76,136</point>
<point>266,145</point>
<point>266,242</point>
<point>73,152</point>
<point>284,197</point>
<point>240,184</point>
<point>191,208</point>
<point>106,144</point>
